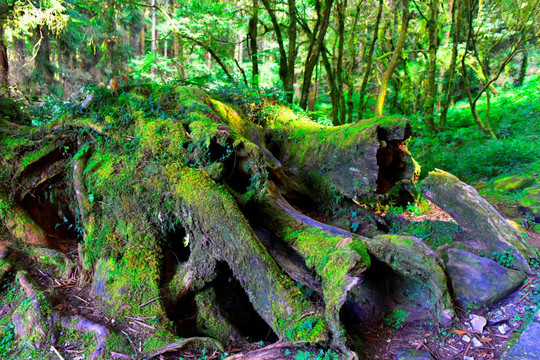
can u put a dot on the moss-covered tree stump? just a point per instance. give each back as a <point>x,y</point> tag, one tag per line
<point>175,215</point>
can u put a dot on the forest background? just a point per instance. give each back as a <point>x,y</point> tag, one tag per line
<point>464,72</point>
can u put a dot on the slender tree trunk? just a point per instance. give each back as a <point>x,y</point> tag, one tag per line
<point>456,24</point>
<point>143,42</point>
<point>349,79</point>
<point>252,32</point>
<point>522,69</point>
<point>284,72</point>
<point>153,43</point>
<point>182,55</point>
<point>291,59</point>
<point>4,63</point>
<point>314,89</point>
<point>432,30</point>
<point>369,56</point>
<point>174,41</point>
<point>331,79</point>
<point>43,56</point>
<point>340,96</point>
<point>397,53</point>
<point>313,57</point>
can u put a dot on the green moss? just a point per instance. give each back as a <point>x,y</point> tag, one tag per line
<point>210,320</point>
<point>33,156</point>
<point>396,318</point>
<point>117,343</point>
<point>513,183</point>
<point>333,258</point>
<point>344,160</point>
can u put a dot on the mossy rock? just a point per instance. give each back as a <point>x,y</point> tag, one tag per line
<point>487,230</point>
<point>530,202</point>
<point>478,282</point>
<point>513,183</point>
<point>210,320</point>
<point>10,110</point>
<point>420,283</point>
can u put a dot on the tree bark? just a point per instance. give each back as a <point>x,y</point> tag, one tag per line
<point>286,63</point>
<point>143,39</point>
<point>315,47</point>
<point>292,52</point>
<point>4,63</point>
<point>522,68</point>
<point>395,57</point>
<point>432,28</point>
<point>252,32</point>
<point>340,14</point>
<point>369,56</point>
<point>456,31</point>
<point>153,30</point>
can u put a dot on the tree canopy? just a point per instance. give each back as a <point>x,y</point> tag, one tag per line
<point>363,57</point>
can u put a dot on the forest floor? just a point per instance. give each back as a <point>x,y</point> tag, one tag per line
<point>506,320</point>
<point>463,151</point>
<point>70,295</point>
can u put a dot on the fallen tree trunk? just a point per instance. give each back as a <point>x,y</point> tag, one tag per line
<point>195,175</point>
<point>190,220</point>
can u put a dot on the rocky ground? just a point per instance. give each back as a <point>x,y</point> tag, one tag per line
<point>492,332</point>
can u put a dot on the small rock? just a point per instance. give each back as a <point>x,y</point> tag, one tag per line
<point>503,329</point>
<point>4,250</point>
<point>476,342</point>
<point>446,317</point>
<point>412,354</point>
<point>497,320</point>
<point>466,338</point>
<point>478,323</point>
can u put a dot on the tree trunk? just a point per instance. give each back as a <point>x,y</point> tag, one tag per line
<point>369,56</point>
<point>291,56</point>
<point>228,208</point>
<point>433,33</point>
<point>340,14</point>
<point>332,84</point>
<point>143,41</point>
<point>286,73</point>
<point>198,223</point>
<point>395,57</point>
<point>456,30</point>
<point>252,32</point>
<point>153,30</point>
<point>522,68</point>
<point>4,63</point>
<point>315,49</point>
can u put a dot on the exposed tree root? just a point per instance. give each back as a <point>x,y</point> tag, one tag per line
<point>84,325</point>
<point>274,351</point>
<point>196,342</point>
<point>188,213</point>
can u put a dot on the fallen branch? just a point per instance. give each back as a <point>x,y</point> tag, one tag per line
<point>196,342</point>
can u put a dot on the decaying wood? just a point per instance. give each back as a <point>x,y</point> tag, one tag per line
<point>196,342</point>
<point>275,351</point>
<point>199,193</point>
